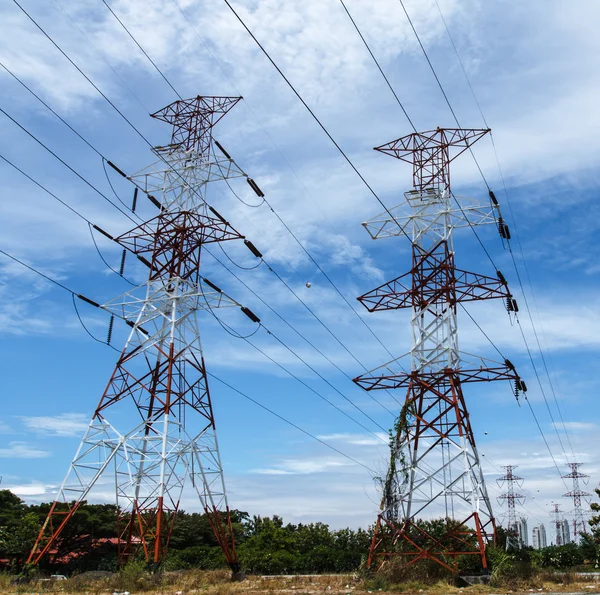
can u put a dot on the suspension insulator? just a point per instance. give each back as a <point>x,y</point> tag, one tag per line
<point>134,201</point>
<point>122,265</point>
<point>255,187</point>
<point>509,305</point>
<point>251,315</point>
<point>212,285</point>
<point>253,248</point>
<point>515,306</point>
<point>104,233</point>
<point>154,201</point>
<point>523,386</point>
<point>119,171</point>
<point>506,235</point>
<point>509,364</point>
<point>218,215</point>
<point>223,150</point>
<point>501,277</point>
<point>493,198</point>
<point>111,322</point>
<point>517,387</point>
<point>500,223</point>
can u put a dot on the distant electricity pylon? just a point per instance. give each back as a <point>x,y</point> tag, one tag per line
<point>514,538</point>
<point>434,466</point>
<point>579,522</point>
<point>154,426</point>
<point>560,534</point>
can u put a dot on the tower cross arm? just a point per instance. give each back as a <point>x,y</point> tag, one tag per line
<point>464,287</point>
<point>413,146</point>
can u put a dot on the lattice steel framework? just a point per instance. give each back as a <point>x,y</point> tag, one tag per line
<point>579,521</point>
<point>511,498</point>
<point>434,464</point>
<point>154,426</point>
<point>558,522</point>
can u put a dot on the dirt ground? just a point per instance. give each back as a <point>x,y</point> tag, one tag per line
<point>296,585</point>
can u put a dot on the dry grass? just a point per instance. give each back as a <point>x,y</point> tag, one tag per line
<point>218,583</point>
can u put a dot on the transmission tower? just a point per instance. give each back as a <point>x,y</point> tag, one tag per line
<point>434,465</point>
<point>559,525</point>
<point>579,523</point>
<point>514,539</point>
<point>154,426</point>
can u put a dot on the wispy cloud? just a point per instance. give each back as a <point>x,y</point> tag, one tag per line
<point>303,466</point>
<point>22,450</point>
<point>356,439</point>
<point>67,424</point>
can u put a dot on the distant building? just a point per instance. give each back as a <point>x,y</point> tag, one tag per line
<point>566,532</point>
<point>522,531</point>
<point>539,537</point>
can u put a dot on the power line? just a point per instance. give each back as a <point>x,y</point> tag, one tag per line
<point>249,398</point>
<point>314,116</point>
<point>141,49</point>
<point>91,225</point>
<point>82,178</point>
<point>82,73</point>
<point>467,78</point>
<point>101,54</point>
<point>295,238</point>
<point>285,321</point>
<point>378,65</point>
<point>510,208</point>
<point>74,294</point>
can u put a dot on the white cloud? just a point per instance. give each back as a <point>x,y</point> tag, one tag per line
<point>32,489</point>
<point>22,450</point>
<point>304,466</point>
<point>576,426</point>
<point>356,439</point>
<point>67,424</point>
<point>5,428</point>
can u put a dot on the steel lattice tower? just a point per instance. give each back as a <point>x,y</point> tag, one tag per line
<point>513,539</point>
<point>434,465</point>
<point>154,426</point>
<point>558,522</point>
<point>579,523</point>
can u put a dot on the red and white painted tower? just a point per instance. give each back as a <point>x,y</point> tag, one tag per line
<point>434,466</point>
<point>514,539</point>
<point>154,427</point>
<point>579,521</point>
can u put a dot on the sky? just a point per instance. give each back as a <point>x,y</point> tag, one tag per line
<point>532,68</point>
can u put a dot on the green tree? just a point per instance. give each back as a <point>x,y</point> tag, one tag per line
<point>17,540</point>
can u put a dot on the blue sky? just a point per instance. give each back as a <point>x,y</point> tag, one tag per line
<point>532,66</point>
